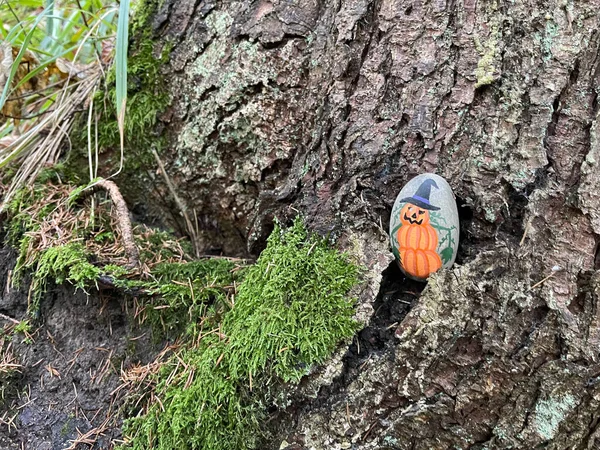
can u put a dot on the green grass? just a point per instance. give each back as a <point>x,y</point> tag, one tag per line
<point>66,26</point>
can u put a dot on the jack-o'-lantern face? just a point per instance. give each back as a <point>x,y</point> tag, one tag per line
<point>413,215</point>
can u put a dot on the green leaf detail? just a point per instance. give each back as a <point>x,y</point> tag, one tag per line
<point>446,254</point>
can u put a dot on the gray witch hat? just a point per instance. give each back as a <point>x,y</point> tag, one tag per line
<point>421,197</point>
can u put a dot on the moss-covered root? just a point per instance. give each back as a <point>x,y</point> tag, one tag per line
<point>291,311</point>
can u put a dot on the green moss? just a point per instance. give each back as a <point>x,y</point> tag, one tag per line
<point>174,294</point>
<point>179,295</point>
<point>292,308</point>
<point>143,11</point>
<point>181,288</point>
<point>75,194</point>
<point>51,174</point>
<point>63,263</point>
<point>20,219</point>
<point>23,327</point>
<point>290,312</point>
<point>147,98</point>
<point>155,244</point>
<point>67,262</point>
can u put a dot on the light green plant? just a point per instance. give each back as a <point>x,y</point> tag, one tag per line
<point>22,327</point>
<point>121,72</point>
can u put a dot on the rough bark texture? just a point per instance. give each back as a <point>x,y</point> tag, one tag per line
<point>327,109</point>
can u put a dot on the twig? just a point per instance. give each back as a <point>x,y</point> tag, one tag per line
<point>180,204</point>
<point>366,435</point>
<point>525,232</point>
<point>90,437</point>
<point>10,319</point>
<point>348,408</point>
<point>541,282</point>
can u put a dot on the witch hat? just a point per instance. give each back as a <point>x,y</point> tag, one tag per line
<point>421,197</point>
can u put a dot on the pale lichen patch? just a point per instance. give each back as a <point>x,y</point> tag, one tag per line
<point>550,412</point>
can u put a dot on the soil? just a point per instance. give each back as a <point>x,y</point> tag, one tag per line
<point>70,370</point>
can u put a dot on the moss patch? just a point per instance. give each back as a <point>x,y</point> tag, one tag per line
<point>31,210</point>
<point>486,71</point>
<point>178,296</point>
<point>290,312</point>
<point>60,241</point>
<point>67,262</point>
<point>147,98</point>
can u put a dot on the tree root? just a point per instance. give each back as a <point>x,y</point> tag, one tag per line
<point>122,216</point>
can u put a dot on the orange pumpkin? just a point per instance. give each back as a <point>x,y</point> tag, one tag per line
<point>418,242</point>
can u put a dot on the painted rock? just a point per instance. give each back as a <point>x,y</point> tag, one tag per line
<point>424,226</point>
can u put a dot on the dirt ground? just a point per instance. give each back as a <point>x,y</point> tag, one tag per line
<point>70,370</point>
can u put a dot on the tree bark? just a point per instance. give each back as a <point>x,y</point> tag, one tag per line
<point>327,109</point>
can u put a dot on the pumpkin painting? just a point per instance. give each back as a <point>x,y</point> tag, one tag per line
<point>418,241</point>
<point>424,226</point>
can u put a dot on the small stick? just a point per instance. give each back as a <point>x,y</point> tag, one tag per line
<point>8,280</point>
<point>525,232</point>
<point>10,319</point>
<point>366,435</point>
<point>540,282</point>
<point>363,365</point>
<point>347,407</point>
<point>182,206</point>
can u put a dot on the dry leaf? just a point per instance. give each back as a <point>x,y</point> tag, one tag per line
<point>13,107</point>
<point>108,47</point>
<point>6,60</point>
<point>74,70</point>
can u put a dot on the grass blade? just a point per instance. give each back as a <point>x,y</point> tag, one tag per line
<point>17,61</point>
<point>50,19</point>
<point>121,70</point>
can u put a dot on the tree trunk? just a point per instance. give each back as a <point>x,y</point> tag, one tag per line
<point>326,109</point>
